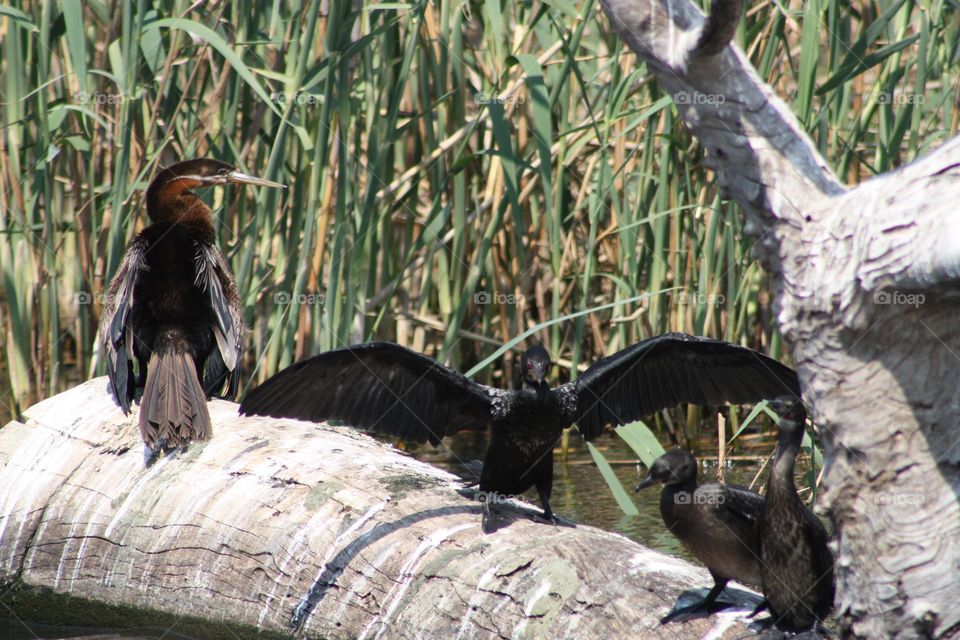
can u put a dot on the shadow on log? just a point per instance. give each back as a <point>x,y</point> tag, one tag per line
<point>312,531</point>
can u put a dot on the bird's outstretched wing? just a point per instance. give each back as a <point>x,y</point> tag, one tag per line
<point>664,371</point>
<point>117,338</point>
<point>379,386</point>
<point>215,278</point>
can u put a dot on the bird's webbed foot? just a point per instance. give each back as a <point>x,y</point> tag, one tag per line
<point>554,519</point>
<point>493,518</point>
<point>152,454</point>
<point>761,606</point>
<point>546,518</point>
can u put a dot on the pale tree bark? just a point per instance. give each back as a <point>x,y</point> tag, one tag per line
<point>866,296</point>
<point>309,531</point>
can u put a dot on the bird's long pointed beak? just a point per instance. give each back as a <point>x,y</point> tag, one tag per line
<point>237,176</point>
<point>646,483</point>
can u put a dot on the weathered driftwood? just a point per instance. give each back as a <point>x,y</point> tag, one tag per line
<point>866,284</point>
<point>305,529</point>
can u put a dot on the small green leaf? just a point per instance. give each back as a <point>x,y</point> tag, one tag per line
<point>18,17</point>
<point>619,493</point>
<point>214,40</point>
<point>642,440</point>
<point>73,17</point>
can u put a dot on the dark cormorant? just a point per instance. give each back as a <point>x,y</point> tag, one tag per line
<point>173,306</point>
<point>796,564</point>
<point>718,523</point>
<point>387,388</point>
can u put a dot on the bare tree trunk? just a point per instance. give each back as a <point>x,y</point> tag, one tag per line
<point>866,293</point>
<point>321,532</point>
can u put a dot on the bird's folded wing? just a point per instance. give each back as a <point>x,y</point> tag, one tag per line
<point>818,539</point>
<point>666,370</point>
<point>738,504</point>
<point>378,386</point>
<point>213,276</point>
<point>116,327</point>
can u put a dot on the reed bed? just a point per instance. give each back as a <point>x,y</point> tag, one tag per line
<point>460,173</point>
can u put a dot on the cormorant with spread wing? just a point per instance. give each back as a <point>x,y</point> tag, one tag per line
<point>173,306</point>
<point>390,389</point>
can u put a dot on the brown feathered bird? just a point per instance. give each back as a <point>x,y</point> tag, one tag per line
<point>796,564</point>
<point>173,306</point>
<point>718,523</point>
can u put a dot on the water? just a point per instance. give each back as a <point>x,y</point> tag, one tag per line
<point>581,494</point>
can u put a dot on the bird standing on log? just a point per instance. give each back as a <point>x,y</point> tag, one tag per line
<point>173,306</point>
<point>387,388</point>
<point>718,523</point>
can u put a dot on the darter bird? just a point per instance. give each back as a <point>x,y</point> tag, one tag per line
<point>173,307</point>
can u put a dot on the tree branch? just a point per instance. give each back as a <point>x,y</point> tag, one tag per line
<point>764,159</point>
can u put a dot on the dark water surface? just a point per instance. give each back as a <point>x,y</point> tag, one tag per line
<point>580,493</point>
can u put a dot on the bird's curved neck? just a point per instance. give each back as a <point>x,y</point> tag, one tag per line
<point>174,202</point>
<point>783,465</point>
<point>539,388</point>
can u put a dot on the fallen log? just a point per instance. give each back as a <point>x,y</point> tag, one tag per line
<point>297,529</point>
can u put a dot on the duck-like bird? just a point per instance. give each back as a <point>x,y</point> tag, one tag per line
<point>173,306</point>
<point>390,389</point>
<point>718,523</point>
<point>796,563</point>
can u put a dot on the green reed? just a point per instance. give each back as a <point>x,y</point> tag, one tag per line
<point>459,172</point>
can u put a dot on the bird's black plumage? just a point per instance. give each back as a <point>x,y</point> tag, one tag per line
<point>796,563</point>
<point>379,386</point>
<point>390,389</point>
<point>670,369</point>
<point>173,307</point>
<point>718,523</point>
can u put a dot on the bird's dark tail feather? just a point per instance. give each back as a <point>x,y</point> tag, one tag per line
<point>173,410</point>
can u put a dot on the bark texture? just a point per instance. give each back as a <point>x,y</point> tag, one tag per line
<point>867,296</point>
<point>308,530</point>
